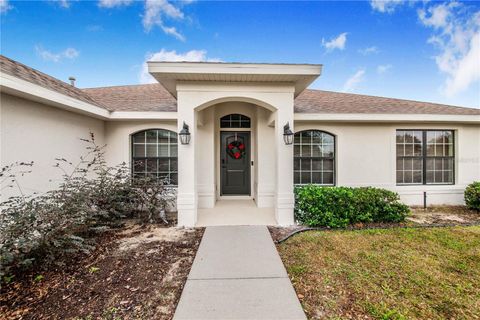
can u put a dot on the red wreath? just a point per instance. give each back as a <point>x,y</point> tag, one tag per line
<point>236,149</point>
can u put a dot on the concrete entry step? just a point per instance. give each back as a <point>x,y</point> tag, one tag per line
<point>238,274</point>
<point>236,213</point>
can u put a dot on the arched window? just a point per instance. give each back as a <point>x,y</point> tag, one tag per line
<point>314,158</point>
<point>235,121</point>
<point>154,154</point>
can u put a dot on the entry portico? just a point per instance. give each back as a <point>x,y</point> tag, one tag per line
<point>265,94</point>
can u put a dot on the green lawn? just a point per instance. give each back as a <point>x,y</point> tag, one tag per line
<point>387,274</point>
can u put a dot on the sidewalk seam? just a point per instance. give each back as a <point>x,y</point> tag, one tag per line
<point>246,278</point>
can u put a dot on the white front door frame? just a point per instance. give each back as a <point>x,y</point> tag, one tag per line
<point>196,96</point>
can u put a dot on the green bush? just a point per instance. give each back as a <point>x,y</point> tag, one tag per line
<point>472,195</point>
<point>337,207</point>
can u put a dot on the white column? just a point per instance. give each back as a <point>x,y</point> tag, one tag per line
<point>187,193</point>
<point>284,198</point>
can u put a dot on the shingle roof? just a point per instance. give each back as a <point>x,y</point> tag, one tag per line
<point>317,101</point>
<point>26,73</point>
<point>154,97</point>
<point>146,97</point>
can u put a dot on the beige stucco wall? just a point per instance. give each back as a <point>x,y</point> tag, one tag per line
<point>366,156</point>
<point>32,131</point>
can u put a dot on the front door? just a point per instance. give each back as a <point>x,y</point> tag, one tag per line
<point>235,163</point>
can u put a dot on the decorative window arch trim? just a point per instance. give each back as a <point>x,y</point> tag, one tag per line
<point>154,153</point>
<point>314,157</point>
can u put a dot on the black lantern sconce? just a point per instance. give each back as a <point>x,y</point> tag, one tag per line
<point>287,134</point>
<point>184,134</point>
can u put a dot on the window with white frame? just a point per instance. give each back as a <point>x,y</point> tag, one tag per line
<point>154,154</point>
<point>314,158</point>
<point>425,157</point>
<point>235,121</point>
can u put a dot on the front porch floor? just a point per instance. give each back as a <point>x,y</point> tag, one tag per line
<point>236,213</point>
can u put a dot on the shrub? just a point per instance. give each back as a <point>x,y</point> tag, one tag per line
<point>337,207</point>
<point>92,197</point>
<point>472,196</point>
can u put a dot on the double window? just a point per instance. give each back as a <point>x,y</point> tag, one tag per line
<point>425,157</point>
<point>154,154</point>
<point>314,158</point>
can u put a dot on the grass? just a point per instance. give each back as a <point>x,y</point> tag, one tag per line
<point>387,274</point>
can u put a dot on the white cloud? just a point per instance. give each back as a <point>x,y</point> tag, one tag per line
<point>4,6</point>
<point>155,13</point>
<point>457,40</point>
<point>369,50</point>
<point>387,6</point>
<point>173,31</point>
<point>69,53</point>
<point>436,16</point>
<point>381,69</point>
<point>94,28</point>
<point>62,3</point>
<point>336,43</point>
<point>173,56</point>
<point>113,3</point>
<point>354,80</point>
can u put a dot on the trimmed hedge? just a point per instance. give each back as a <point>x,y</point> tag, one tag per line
<point>337,207</point>
<point>472,196</point>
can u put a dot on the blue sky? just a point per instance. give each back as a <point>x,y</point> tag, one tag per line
<point>428,51</point>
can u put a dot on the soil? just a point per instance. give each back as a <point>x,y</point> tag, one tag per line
<point>459,215</point>
<point>432,216</point>
<point>137,272</point>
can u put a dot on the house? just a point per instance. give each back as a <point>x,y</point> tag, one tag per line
<point>254,131</point>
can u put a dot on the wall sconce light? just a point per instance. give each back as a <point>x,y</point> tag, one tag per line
<point>184,134</point>
<point>287,134</point>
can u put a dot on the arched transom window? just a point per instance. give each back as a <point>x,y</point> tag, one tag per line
<point>235,121</point>
<point>314,158</point>
<point>154,154</point>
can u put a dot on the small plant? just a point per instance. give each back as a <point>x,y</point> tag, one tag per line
<point>472,196</point>
<point>93,269</point>
<point>9,278</point>
<point>109,314</point>
<point>38,278</point>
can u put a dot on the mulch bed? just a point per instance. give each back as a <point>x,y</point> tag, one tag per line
<point>141,280</point>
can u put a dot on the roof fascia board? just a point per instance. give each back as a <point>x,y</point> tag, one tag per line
<point>373,117</point>
<point>168,73</point>
<point>234,68</point>
<point>143,115</point>
<point>22,88</point>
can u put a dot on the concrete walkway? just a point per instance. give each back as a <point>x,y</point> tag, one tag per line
<point>238,274</point>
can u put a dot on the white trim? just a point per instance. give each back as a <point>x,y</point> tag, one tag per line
<point>234,68</point>
<point>171,73</point>
<point>375,117</point>
<point>143,115</point>
<point>13,85</point>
